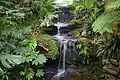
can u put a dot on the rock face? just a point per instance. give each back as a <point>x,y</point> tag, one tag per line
<point>65,16</point>
<point>51,30</point>
<point>50,69</point>
<point>72,54</point>
<point>68,28</point>
<point>112,67</point>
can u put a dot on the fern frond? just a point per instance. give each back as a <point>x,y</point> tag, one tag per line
<point>105,22</point>
<point>114,5</point>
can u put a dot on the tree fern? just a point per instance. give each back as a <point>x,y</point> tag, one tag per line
<point>105,22</point>
<point>109,20</point>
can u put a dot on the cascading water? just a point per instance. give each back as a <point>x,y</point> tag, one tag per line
<point>65,44</point>
<point>66,66</point>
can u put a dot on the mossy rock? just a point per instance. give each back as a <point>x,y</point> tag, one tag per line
<point>77,21</point>
<point>47,45</point>
<point>75,33</point>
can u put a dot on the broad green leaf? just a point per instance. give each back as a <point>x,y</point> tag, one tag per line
<point>39,73</point>
<point>9,60</point>
<point>1,71</point>
<point>39,60</point>
<point>30,75</point>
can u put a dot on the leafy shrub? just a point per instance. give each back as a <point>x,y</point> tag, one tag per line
<point>19,59</point>
<point>86,13</point>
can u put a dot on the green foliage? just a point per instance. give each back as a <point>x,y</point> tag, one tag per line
<point>77,6</point>
<point>87,11</point>
<point>109,20</point>
<point>106,22</point>
<point>5,75</point>
<point>89,3</point>
<point>1,70</point>
<point>7,59</point>
<point>83,49</point>
<point>26,56</point>
<point>11,49</point>
<point>39,73</point>
<point>17,46</point>
<point>114,5</point>
<point>35,58</point>
<point>104,19</point>
<point>30,74</point>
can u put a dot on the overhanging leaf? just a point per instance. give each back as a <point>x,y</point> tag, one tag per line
<point>9,60</point>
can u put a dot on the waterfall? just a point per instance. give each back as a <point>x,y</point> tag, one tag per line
<point>67,50</point>
<point>65,67</point>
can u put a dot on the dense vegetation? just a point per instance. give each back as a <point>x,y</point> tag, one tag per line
<point>25,47</point>
<point>100,36</point>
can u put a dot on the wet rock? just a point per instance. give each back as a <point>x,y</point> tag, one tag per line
<point>68,28</point>
<point>111,67</point>
<point>50,69</point>
<point>66,15</point>
<point>72,54</point>
<point>51,30</point>
<point>69,34</point>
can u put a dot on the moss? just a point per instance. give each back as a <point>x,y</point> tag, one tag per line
<point>50,44</point>
<point>77,21</point>
<point>75,34</point>
<point>46,44</point>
